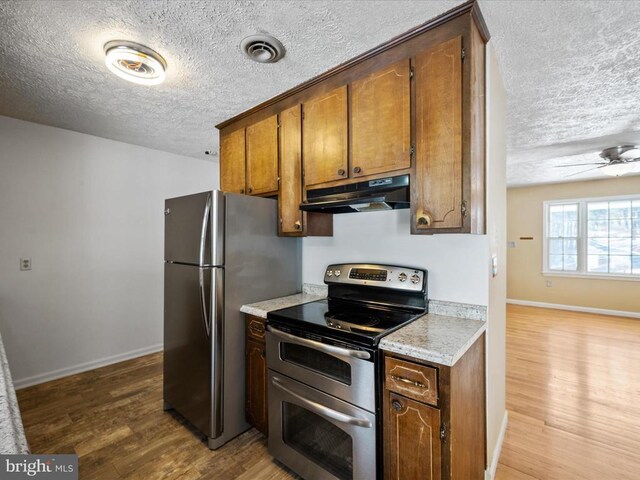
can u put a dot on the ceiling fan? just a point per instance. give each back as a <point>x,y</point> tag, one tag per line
<point>617,161</point>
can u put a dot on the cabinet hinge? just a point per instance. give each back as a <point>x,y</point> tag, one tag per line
<point>278,125</point>
<point>303,115</point>
<point>463,54</point>
<point>411,71</point>
<point>443,434</point>
<point>412,152</point>
<point>463,209</point>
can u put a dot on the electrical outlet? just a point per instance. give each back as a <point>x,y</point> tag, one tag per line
<point>549,283</point>
<point>25,263</point>
<point>511,244</point>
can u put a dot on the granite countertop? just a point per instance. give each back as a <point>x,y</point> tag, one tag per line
<point>441,336</point>
<point>435,338</point>
<point>310,293</point>
<point>12,438</point>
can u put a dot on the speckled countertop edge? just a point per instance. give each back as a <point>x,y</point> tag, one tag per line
<point>310,293</point>
<point>435,338</point>
<point>12,437</point>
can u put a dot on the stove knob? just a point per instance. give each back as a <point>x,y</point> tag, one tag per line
<point>329,273</point>
<point>415,278</point>
<point>402,277</point>
<point>338,272</point>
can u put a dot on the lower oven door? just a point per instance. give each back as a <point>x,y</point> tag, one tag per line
<point>346,373</point>
<point>318,436</point>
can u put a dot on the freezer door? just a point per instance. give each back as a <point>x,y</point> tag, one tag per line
<point>194,229</point>
<point>191,329</point>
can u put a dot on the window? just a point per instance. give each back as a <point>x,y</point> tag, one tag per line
<point>593,237</point>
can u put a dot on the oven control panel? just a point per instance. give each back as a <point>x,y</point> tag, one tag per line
<point>387,276</point>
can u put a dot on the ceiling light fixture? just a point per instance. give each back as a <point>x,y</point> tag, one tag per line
<point>262,48</point>
<point>134,62</point>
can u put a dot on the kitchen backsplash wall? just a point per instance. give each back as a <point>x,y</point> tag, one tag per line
<point>458,264</point>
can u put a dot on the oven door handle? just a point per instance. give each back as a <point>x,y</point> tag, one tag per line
<point>342,352</point>
<point>322,410</point>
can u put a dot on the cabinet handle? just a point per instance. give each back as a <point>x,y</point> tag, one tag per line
<point>297,225</point>
<point>341,172</point>
<point>357,170</point>
<point>397,406</point>
<point>250,189</point>
<point>424,219</point>
<point>463,209</point>
<point>242,190</point>
<point>410,382</point>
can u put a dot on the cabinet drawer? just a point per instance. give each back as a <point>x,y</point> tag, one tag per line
<point>255,328</point>
<point>418,382</point>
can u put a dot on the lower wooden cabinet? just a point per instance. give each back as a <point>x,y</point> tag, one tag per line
<point>435,431</point>
<point>256,375</point>
<point>414,439</point>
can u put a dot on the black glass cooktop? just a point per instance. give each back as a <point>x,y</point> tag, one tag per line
<point>346,321</point>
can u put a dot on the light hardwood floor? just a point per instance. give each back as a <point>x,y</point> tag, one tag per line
<point>573,395</point>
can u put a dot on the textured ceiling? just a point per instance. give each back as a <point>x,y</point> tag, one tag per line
<point>570,68</point>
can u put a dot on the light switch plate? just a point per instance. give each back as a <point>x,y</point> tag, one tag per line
<point>25,263</point>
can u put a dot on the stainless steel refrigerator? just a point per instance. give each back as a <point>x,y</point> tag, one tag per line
<point>221,251</point>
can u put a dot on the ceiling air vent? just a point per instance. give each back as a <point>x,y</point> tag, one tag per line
<point>262,48</point>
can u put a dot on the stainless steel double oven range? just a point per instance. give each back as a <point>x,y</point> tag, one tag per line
<point>325,370</point>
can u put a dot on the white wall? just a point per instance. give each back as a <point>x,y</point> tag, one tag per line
<point>89,213</point>
<point>457,264</point>
<point>497,232</point>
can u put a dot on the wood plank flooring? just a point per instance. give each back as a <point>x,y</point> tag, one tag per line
<point>573,395</point>
<point>112,418</point>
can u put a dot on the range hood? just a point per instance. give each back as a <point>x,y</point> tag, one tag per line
<point>381,194</point>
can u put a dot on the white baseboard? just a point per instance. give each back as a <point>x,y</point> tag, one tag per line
<point>83,367</point>
<point>574,308</point>
<point>495,458</point>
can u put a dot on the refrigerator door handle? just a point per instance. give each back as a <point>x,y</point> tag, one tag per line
<point>203,232</point>
<point>203,241</point>
<point>217,346</point>
<point>203,303</point>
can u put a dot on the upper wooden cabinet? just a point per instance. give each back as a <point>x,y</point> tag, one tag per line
<point>415,105</point>
<point>262,156</point>
<point>448,187</point>
<point>439,136</point>
<point>291,217</point>
<point>381,121</point>
<point>232,162</point>
<point>324,145</point>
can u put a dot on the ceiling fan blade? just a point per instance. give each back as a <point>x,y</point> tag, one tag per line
<point>581,164</point>
<point>585,171</point>
<point>633,153</point>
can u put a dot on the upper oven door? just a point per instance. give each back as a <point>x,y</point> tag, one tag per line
<point>342,372</point>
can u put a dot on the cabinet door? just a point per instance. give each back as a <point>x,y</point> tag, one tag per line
<point>412,440</point>
<point>232,166</point>
<point>380,121</point>
<point>439,169</point>
<point>324,143</point>
<point>256,385</point>
<point>290,194</point>
<point>262,156</point>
